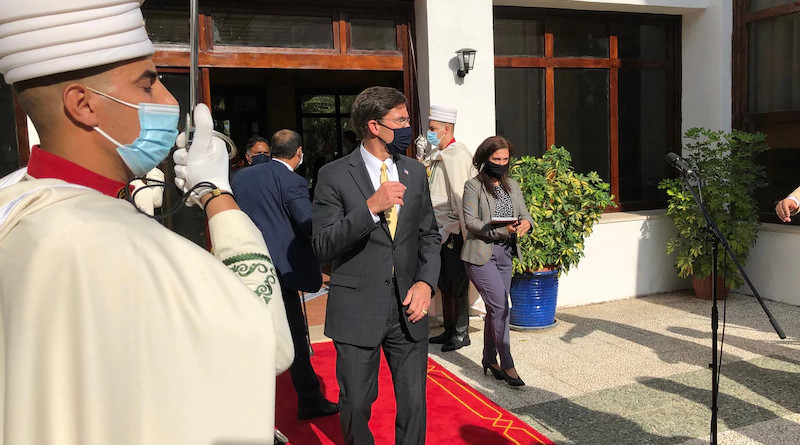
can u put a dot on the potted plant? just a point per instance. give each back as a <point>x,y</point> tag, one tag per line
<point>724,162</point>
<point>564,206</point>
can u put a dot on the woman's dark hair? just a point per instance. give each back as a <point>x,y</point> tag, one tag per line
<point>482,155</point>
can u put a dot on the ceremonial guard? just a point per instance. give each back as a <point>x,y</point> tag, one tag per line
<point>113,329</point>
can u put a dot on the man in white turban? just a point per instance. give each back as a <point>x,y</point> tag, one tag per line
<point>114,330</point>
<point>449,166</point>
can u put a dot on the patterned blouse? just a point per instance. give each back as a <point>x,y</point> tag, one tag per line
<point>502,203</point>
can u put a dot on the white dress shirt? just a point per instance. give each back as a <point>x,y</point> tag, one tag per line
<point>373,165</point>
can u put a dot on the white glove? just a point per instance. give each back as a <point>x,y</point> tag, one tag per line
<point>423,150</point>
<point>150,198</point>
<point>206,160</point>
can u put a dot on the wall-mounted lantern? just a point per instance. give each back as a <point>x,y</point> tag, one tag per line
<point>466,61</point>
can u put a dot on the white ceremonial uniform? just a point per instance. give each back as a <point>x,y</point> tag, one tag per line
<point>115,330</point>
<point>450,169</point>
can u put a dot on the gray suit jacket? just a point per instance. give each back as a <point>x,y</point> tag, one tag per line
<point>478,211</point>
<point>363,253</point>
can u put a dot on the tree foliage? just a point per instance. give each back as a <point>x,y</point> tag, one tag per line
<point>725,164</point>
<point>564,206</point>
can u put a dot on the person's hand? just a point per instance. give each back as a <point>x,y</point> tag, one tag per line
<point>785,208</point>
<point>387,195</point>
<point>418,300</point>
<point>206,160</point>
<point>523,227</point>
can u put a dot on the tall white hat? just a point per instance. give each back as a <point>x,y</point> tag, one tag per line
<point>43,37</point>
<point>441,113</point>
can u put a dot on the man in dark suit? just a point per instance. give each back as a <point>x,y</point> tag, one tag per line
<point>277,201</point>
<point>374,221</point>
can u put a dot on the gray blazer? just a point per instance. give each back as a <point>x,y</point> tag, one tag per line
<point>478,211</point>
<point>363,254</point>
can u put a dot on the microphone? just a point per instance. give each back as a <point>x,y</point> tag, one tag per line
<point>678,162</point>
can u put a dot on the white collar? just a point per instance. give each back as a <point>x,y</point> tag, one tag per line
<point>284,163</point>
<point>374,164</point>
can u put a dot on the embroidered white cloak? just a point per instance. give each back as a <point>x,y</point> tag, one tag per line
<point>115,330</point>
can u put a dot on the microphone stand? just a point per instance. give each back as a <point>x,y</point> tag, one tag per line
<point>715,236</point>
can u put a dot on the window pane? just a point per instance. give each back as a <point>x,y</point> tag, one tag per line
<point>518,38</point>
<point>642,134</point>
<point>318,104</point>
<point>9,157</point>
<point>643,42</point>
<point>582,118</point>
<point>757,5</point>
<point>319,144</point>
<point>167,27</point>
<point>774,64</point>
<point>578,38</point>
<point>346,103</point>
<point>373,34</point>
<point>273,31</point>
<point>519,103</point>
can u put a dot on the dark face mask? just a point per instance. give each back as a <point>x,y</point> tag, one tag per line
<point>259,159</point>
<point>401,141</point>
<point>495,171</point>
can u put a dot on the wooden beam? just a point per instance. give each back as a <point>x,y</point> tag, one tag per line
<point>739,54</point>
<point>769,13</point>
<point>341,34</point>
<point>550,94</point>
<point>555,62</point>
<point>613,124</point>
<point>219,59</point>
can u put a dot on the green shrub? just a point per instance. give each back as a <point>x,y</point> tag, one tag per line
<point>564,206</point>
<point>725,164</point>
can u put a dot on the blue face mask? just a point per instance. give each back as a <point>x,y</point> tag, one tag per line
<point>401,141</point>
<point>433,138</point>
<point>158,128</point>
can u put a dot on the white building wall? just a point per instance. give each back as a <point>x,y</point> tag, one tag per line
<point>706,98</point>
<point>625,257</point>
<point>442,27</point>
<point>772,264</point>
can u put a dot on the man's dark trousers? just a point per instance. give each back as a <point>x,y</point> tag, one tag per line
<point>357,372</point>
<point>454,287</point>
<point>304,378</point>
<point>277,201</point>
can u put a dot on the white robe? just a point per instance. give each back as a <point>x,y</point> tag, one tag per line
<point>115,330</point>
<point>450,168</point>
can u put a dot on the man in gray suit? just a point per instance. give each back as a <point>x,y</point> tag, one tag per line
<point>373,221</point>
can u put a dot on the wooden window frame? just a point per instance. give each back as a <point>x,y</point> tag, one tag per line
<point>741,117</point>
<point>346,23</point>
<point>613,63</point>
<point>341,57</point>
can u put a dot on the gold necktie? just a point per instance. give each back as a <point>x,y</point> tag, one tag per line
<point>391,212</point>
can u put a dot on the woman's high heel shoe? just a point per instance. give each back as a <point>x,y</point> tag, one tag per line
<point>498,374</point>
<point>513,381</point>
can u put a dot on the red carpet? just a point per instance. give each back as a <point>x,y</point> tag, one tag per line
<point>457,413</point>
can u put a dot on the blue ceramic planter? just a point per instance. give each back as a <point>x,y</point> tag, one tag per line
<point>533,300</point>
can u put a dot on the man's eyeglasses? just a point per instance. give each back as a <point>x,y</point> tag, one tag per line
<point>399,121</point>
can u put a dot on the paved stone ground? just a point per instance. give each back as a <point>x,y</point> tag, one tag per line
<point>636,372</point>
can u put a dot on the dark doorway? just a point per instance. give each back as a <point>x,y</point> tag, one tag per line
<point>315,103</point>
